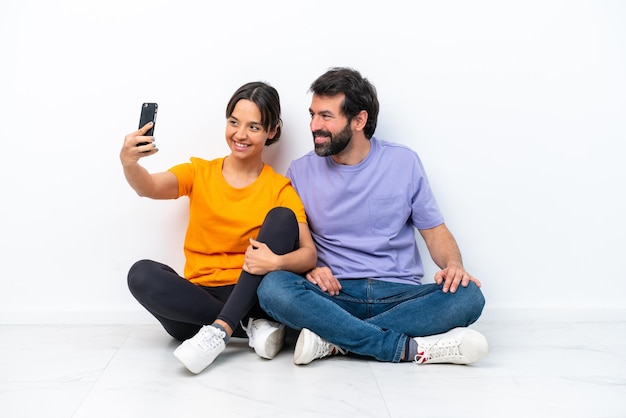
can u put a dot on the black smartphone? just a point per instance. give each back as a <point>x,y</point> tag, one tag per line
<point>148,114</point>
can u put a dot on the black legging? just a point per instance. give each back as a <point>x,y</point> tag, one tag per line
<point>183,307</point>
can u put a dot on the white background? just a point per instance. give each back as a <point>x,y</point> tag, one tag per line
<point>517,110</point>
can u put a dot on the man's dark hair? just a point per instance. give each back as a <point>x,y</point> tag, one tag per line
<point>359,93</point>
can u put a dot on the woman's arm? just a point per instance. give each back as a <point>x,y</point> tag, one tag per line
<point>162,185</point>
<point>259,259</point>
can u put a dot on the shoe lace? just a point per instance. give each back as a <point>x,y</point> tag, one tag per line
<point>210,338</point>
<point>325,348</point>
<point>437,351</point>
<point>251,329</point>
<point>247,329</point>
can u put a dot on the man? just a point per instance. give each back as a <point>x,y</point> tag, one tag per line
<point>364,198</point>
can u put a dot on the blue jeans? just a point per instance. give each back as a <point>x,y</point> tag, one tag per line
<point>369,317</point>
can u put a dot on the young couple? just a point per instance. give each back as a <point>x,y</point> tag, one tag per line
<point>346,273</point>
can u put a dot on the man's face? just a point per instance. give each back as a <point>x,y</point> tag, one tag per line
<point>330,128</point>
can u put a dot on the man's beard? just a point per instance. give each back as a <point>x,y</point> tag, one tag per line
<point>335,144</point>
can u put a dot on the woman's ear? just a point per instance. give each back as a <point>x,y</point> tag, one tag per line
<point>271,134</point>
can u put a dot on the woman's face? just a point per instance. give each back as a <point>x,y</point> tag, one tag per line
<point>245,134</point>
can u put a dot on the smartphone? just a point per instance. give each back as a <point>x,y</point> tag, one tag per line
<point>148,114</point>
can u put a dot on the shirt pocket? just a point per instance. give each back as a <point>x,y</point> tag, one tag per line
<point>387,214</point>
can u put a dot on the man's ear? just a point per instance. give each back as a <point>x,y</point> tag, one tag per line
<point>360,120</point>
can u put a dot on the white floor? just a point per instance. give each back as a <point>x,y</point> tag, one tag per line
<point>114,371</point>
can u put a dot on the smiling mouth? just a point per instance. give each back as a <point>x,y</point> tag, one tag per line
<point>318,139</point>
<point>240,145</point>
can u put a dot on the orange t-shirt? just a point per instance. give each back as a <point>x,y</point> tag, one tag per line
<point>222,218</point>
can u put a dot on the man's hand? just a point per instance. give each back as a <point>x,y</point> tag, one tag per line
<point>324,279</point>
<point>451,277</point>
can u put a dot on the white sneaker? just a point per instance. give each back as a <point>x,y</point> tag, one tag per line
<point>199,351</point>
<point>458,346</point>
<point>265,336</point>
<point>310,347</point>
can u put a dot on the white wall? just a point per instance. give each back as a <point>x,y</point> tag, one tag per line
<point>517,109</point>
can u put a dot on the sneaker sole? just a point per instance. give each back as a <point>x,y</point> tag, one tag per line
<point>273,344</point>
<point>193,362</point>
<point>303,338</point>
<point>472,348</point>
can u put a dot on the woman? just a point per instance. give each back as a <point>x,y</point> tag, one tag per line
<point>245,220</point>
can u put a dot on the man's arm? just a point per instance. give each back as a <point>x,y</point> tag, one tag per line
<point>445,253</point>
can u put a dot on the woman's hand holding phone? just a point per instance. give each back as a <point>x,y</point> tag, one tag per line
<point>138,145</point>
